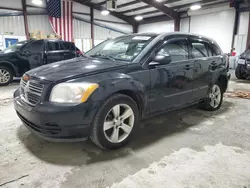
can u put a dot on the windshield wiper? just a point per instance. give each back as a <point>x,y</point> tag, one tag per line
<point>104,57</point>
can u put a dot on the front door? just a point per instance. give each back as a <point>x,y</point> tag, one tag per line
<point>205,66</point>
<point>34,52</point>
<point>172,84</point>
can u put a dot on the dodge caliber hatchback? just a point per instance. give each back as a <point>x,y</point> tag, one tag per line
<point>104,95</point>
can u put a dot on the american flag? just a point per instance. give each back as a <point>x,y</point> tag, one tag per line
<point>60,16</point>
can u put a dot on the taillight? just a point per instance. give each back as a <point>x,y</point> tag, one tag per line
<point>79,52</point>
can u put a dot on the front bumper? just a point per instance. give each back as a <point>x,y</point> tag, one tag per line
<point>56,122</point>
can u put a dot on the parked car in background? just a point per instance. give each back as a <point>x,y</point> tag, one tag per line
<point>26,55</point>
<point>121,81</point>
<point>242,70</point>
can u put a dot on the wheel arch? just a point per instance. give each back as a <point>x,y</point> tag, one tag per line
<point>131,88</point>
<point>224,82</point>
<point>8,65</point>
<point>136,97</point>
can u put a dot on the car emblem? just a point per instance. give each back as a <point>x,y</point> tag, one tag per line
<point>26,77</point>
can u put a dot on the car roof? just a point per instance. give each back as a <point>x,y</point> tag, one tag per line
<point>165,34</point>
<point>51,40</point>
<point>187,35</point>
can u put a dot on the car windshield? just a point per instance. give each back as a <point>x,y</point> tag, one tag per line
<point>14,47</point>
<point>125,48</point>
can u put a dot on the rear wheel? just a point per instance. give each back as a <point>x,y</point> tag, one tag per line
<point>239,74</point>
<point>6,76</point>
<point>214,99</point>
<point>115,122</point>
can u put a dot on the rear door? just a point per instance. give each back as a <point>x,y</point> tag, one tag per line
<point>68,50</point>
<point>205,63</point>
<point>53,52</point>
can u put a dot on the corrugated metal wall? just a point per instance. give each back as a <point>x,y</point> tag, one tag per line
<point>13,24</point>
<point>39,22</point>
<point>81,29</point>
<point>101,33</point>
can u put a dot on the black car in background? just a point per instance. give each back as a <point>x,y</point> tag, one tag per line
<point>242,70</point>
<point>26,55</point>
<point>121,81</point>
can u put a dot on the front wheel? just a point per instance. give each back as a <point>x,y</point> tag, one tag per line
<point>6,76</point>
<point>115,122</point>
<point>214,99</point>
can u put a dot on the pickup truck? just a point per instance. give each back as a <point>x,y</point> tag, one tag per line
<point>26,55</point>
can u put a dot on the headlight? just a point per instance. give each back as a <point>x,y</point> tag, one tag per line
<point>72,92</point>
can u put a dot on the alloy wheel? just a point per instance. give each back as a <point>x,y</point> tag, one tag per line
<point>215,96</point>
<point>4,76</point>
<point>119,123</point>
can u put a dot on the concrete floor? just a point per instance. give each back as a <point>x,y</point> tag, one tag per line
<point>187,148</point>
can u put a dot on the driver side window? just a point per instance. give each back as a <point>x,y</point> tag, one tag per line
<point>177,50</point>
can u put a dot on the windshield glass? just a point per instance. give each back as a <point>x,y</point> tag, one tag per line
<point>14,47</point>
<point>124,48</point>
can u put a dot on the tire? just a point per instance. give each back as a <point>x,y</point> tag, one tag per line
<point>6,76</point>
<point>238,73</point>
<point>107,139</point>
<point>209,103</point>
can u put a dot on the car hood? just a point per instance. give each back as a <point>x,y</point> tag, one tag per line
<point>74,68</point>
<point>2,54</point>
<point>245,55</point>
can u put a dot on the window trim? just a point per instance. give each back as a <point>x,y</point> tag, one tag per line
<point>171,40</point>
<point>198,40</point>
<point>159,44</point>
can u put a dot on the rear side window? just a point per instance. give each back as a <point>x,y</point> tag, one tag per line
<point>65,45</point>
<point>199,50</point>
<point>178,50</point>
<point>215,50</point>
<point>73,47</point>
<point>53,46</point>
<point>210,51</point>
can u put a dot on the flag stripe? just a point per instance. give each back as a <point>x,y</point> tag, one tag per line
<point>60,17</point>
<point>65,18</point>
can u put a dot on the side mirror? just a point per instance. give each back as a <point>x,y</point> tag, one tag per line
<point>160,59</point>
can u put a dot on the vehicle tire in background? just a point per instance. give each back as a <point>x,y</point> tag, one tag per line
<point>214,100</point>
<point>238,73</point>
<point>115,122</point>
<point>6,76</point>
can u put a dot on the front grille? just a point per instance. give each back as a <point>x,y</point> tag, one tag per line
<point>50,129</point>
<point>31,91</point>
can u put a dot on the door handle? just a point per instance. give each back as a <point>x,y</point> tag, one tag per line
<point>36,58</point>
<point>188,67</point>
